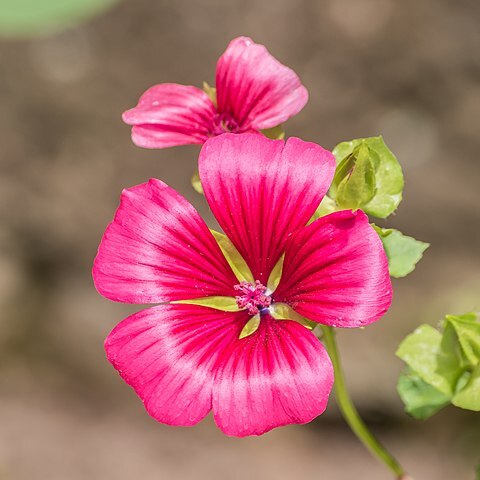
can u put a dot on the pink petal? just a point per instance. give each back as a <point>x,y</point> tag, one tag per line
<point>159,249</point>
<point>255,88</point>
<point>277,376</point>
<point>170,114</point>
<point>169,353</point>
<point>262,190</point>
<point>336,272</point>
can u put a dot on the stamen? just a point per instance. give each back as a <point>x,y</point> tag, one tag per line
<point>223,122</point>
<point>252,297</point>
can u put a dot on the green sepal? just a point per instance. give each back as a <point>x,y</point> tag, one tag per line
<point>196,183</point>
<point>250,327</point>
<point>233,257</point>
<point>403,252</point>
<point>278,311</point>
<point>421,399</point>
<point>353,187</point>
<point>211,92</point>
<point>226,304</point>
<point>275,275</point>
<point>282,311</point>
<point>275,133</point>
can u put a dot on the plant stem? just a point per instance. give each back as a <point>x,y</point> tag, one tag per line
<point>350,413</point>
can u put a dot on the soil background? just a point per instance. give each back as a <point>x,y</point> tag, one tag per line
<point>408,70</point>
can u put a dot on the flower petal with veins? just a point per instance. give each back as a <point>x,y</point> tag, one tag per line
<point>335,271</point>
<point>159,249</point>
<point>262,190</point>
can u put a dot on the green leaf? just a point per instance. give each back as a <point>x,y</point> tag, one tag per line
<point>388,176</point>
<point>421,399</point>
<point>275,133</point>
<point>19,18</point>
<point>235,260</point>
<point>468,397</point>
<point>467,330</point>
<point>403,252</point>
<point>326,206</point>
<point>344,149</point>
<point>354,182</point>
<point>196,183</point>
<point>426,353</point>
<point>389,180</point>
<point>226,304</point>
<point>448,361</point>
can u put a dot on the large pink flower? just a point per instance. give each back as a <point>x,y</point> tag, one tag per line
<point>254,92</point>
<point>185,359</point>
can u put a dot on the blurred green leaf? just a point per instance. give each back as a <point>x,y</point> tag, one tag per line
<point>448,361</point>
<point>275,133</point>
<point>467,329</point>
<point>33,17</point>
<point>422,352</point>
<point>388,176</point>
<point>403,252</point>
<point>468,397</point>
<point>421,399</point>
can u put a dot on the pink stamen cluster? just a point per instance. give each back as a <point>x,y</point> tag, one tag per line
<point>253,297</point>
<point>223,122</point>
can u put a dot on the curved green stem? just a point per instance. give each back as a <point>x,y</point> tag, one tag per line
<point>350,413</point>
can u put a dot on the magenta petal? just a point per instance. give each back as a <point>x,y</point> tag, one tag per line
<point>278,376</point>
<point>159,136</point>
<point>170,114</point>
<point>169,355</point>
<point>336,272</point>
<point>261,190</point>
<point>159,249</point>
<point>255,88</point>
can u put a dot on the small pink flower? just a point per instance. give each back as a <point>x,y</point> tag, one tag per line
<point>184,360</point>
<point>254,92</point>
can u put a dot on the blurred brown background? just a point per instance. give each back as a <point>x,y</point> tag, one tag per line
<point>408,70</point>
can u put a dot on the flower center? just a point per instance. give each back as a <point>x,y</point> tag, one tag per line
<point>223,122</point>
<point>252,297</point>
